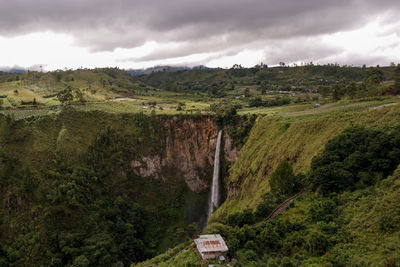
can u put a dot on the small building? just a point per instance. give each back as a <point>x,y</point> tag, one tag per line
<point>211,246</point>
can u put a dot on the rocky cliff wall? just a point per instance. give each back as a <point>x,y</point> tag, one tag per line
<point>187,147</point>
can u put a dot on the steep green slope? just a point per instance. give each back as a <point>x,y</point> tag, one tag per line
<point>353,220</point>
<point>297,139</point>
<point>359,228</point>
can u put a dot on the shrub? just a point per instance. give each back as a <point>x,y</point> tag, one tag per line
<point>264,209</point>
<point>386,223</point>
<point>283,181</point>
<point>240,219</point>
<point>355,158</point>
<point>322,210</point>
<point>317,243</point>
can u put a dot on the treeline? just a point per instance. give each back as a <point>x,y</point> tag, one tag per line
<point>278,101</point>
<point>369,86</point>
<point>218,82</point>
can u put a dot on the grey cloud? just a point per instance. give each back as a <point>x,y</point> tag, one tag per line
<point>361,59</point>
<point>103,24</point>
<point>197,26</point>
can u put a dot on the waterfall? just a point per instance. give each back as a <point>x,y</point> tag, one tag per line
<point>214,199</point>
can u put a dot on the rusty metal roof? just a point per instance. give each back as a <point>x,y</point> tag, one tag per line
<point>211,243</point>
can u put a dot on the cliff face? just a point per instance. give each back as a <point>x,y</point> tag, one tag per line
<point>187,148</point>
<point>156,169</point>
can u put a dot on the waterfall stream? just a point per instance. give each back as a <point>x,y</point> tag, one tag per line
<point>214,199</point>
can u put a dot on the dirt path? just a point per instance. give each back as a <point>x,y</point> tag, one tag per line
<point>282,206</point>
<point>386,105</point>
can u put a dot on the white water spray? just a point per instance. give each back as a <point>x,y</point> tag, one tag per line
<point>214,199</point>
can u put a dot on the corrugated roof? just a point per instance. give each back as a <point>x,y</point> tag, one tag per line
<point>211,243</point>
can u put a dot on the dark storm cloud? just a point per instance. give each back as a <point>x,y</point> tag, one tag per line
<point>201,26</point>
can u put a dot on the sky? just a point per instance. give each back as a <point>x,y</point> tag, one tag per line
<point>131,34</point>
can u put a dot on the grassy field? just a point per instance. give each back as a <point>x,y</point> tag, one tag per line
<point>168,105</point>
<point>193,91</point>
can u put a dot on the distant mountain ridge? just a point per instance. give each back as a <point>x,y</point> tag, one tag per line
<point>12,69</point>
<point>137,72</point>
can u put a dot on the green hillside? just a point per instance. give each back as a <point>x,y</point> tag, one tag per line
<point>253,90</point>
<point>297,138</point>
<point>358,225</point>
<point>359,228</point>
<point>89,172</point>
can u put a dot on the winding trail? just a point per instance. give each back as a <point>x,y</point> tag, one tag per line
<point>282,206</point>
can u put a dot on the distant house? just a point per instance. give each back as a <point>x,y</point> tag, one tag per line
<point>211,246</point>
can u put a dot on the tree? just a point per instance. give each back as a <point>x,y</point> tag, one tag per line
<point>180,106</point>
<point>351,89</point>
<point>282,180</point>
<point>373,78</point>
<point>374,75</point>
<point>255,102</point>
<point>397,77</point>
<point>355,159</point>
<point>247,92</point>
<point>317,242</point>
<point>263,91</point>
<point>226,113</point>
<point>324,90</point>
<point>58,76</point>
<point>192,230</point>
<point>65,96</point>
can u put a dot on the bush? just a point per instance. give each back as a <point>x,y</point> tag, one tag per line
<point>226,113</point>
<point>386,223</point>
<point>265,208</point>
<point>81,261</point>
<point>283,181</point>
<point>322,210</point>
<point>355,158</point>
<point>258,102</point>
<point>317,243</point>
<point>240,219</point>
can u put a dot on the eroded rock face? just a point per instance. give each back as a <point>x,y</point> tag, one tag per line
<point>188,146</point>
<point>230,151</point>
<point>148,166</point>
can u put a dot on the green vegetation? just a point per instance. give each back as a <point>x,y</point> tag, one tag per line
<point>330,230</point>
<point>355,158</point>
<point>193,91</point>
<point>354,228</point>
<point>397,77</point>
<point>355,224</point>
<point>69,195</point>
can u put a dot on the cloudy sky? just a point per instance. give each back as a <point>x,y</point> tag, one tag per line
<point>61,34</point>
